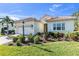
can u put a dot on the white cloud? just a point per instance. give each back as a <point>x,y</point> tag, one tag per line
<point>59,8</point>
<point>54,7</point>
<point>52,10</point>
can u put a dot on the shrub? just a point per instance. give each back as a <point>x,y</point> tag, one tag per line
<point>18,44</point>
<point>39,33</point>
<point>43,38</point>
<point>21,38</point>
<point>60,36</point>
<point>61,39</point>
<point>46,33</point>
<point>72,36</point>
<point>75,36</point>
<point>30,37</point>
<point>15,39</point>
<point>51,39</point>
<point>36,39</point>
<point>10,44</point>
<point>68,37</point>
<point>77,33</point>
<point>55,35</point>
<point>50,34</point>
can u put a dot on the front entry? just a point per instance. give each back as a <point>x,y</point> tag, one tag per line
<point>45,28</point>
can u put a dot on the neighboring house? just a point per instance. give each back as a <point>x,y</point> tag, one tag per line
<point>5,27</point>
<point>46,24</point>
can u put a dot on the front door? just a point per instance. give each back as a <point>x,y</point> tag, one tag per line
<point>45,28</point>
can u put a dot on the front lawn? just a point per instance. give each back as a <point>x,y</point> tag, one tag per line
<point>62,48</point>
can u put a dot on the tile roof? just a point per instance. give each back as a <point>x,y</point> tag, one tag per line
<point>28,19</point>
<point>46,17</point>
<point>61,18</point>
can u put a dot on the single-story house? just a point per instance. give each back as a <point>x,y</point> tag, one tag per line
<point>46,24</point>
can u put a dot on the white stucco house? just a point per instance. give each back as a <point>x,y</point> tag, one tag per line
<point>46,24</point>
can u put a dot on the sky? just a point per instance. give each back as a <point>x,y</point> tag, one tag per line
<point>37,10</point>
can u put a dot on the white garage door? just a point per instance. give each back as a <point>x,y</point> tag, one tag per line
<point>20,30</point>
<point>28,30</point>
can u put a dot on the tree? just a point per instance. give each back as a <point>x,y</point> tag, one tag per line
<point>76,20</point>
<point>6,20</point>
<point>2,23</point>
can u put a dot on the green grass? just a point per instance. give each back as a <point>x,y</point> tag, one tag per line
<point>48,49</point>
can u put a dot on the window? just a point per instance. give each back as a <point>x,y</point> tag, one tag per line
<point>58,26</point>
<point>54,26</point>
<point>63,26</point>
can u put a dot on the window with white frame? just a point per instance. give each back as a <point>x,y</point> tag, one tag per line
<point>63,26</point>
<point>59,26</point>
<point>54,26</point>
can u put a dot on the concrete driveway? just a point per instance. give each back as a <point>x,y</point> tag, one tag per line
<point>4,40</point>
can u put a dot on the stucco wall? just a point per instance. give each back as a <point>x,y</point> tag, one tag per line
<point>37,27</point>
<point>69,26</point>
<point>40,26</point>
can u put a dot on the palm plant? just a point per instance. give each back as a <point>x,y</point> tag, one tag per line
<point>76,20</point>
<point>2,23</point>
<point>6,20</point>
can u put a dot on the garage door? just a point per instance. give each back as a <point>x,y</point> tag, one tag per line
<point>20,31</point>
<point>28,30</point>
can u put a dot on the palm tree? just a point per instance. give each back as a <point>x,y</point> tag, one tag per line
<point>6,20</point>
<point>76,20</point>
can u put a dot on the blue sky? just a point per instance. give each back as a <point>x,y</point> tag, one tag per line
<point>23,10</point>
